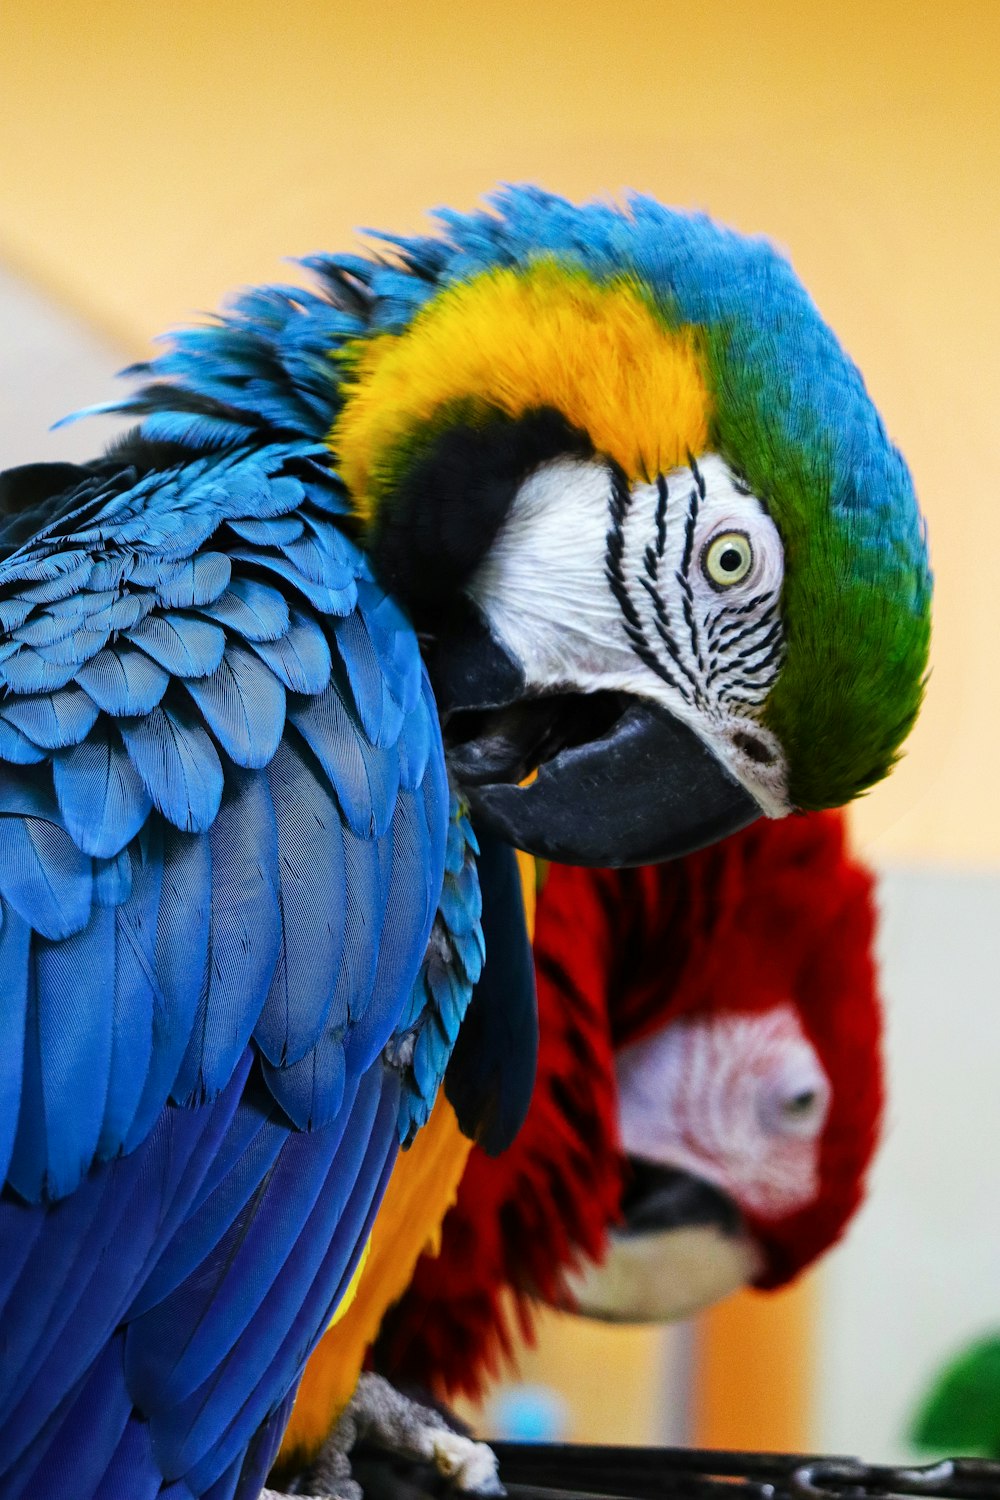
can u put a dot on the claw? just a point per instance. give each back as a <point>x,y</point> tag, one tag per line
<point>386,1419</point>
<point>471,1466</point>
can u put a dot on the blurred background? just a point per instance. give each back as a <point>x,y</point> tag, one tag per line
<point>153,158</point>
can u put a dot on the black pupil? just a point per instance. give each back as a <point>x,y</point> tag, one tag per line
<point>801,1102</point>
<point>731,560</point>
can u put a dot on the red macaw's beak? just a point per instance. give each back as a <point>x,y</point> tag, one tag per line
<point>681,1246</point>
<point>620,781</point>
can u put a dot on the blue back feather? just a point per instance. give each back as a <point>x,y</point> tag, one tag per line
<point>225,842</point>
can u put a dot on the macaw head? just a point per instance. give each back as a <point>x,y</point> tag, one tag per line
<point>749,1111</point>
<point>707,1103</point>
<point>646,519</point>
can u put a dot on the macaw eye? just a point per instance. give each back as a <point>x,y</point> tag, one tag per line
<point>727,559</point>
<point>801,1110</point>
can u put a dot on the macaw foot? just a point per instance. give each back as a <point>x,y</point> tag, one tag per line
<point>382,1417</point>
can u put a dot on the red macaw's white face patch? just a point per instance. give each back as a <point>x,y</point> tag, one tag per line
<point>738,1101</point>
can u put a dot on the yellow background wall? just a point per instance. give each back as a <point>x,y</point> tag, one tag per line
<point>153,156</point>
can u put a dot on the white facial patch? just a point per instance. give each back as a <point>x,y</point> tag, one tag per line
<point>739,1101</point>
<point>668,591</point>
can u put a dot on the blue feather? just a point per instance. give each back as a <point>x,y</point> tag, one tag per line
<point>365,779</point>
<point>113,880</point>
<point>47,627</point>
<point>414,883</point>
<point>394,642</point>
<point>321,554</point>
<point>255,610</point>
<point>197,582</point>
<point>43,875</point>
<point>101,795</point>
<point>89,1255</point>
<point>262,1206</point>
<point>56,576</point>
<point>329,600</point>
<point>311,1090</point>
<point>16,747</point>
<point>249,1151</point>
<point>123,613</point>
<point>123,681</point>
<point>367,864</point>
<point>87,1429</point>
<point>301,658</point>
<point>342,1246</point>
<point>136,996</point>
<point>53,720</point>
<point>200,1435</point>
<point>183,645</point>
<point>27,671</point>
<point>243,704</point>
<point>15,935</point>
<point>74,649</point>
<point>177,761</point>
<point>14,612</point>
<point>179,867</point>
<point>245,937</point>
<point>268,533</point>
<point>419,738</point>
<point>73,1038</point>
<point>378,711</point>
<point>311,862</point>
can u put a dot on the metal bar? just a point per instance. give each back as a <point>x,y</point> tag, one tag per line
<point>570,1471</point>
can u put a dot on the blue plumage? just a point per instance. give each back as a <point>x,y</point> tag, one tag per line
<point>222,837</point>
<point>101,795</point>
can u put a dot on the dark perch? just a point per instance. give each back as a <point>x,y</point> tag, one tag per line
<point>572,1471</point>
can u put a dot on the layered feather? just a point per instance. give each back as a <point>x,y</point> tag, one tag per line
<point>219,865</point>
<point>214,721</point>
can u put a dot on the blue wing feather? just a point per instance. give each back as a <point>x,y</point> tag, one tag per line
<point>198,581</point>
<point>16,748</point>
<point>251,931</point>
<point>380,714</point>
<point>243,704</point>
<point>123,681</point>
<point>254,610</point>
<point>312,895</point>
<point>52,720</point>
<point>15,938</point>
<point>178,764</point>
<point>101,796</point>
<point>316,1274</point>
<point>365,778</point>
<point>44,876</point>
<point>301,658</point>
<point>184,645</point>
<point>74,1038</point>
<point>136,995</point>
<point>244,938</point>
<point>311,1091</point>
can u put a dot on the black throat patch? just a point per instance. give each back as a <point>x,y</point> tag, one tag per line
<point>437,525</point>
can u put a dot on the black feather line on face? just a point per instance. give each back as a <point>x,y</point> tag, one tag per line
<point>436,527</point>
<point>614,552</point>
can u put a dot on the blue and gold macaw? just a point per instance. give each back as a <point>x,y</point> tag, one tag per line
<point>583,492</point>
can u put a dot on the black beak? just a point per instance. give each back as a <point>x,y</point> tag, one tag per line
<point>657,1198</point>
<point>620,781</point>
<point>645,790</point>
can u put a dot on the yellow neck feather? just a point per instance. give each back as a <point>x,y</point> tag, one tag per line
<point>516,340</point>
